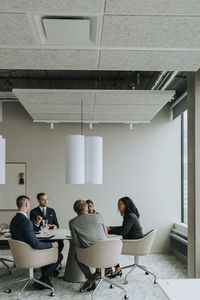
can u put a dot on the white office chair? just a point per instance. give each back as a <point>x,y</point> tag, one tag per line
<point>136,248</point>
<point>26,257</point>
<point>102,254</point>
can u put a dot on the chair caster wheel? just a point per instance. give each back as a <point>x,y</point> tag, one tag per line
<point>53,294</point>
<point>8,291</point>
<point>155,282</point>
<point>146,273</point>
<point>126,297</point>
<point>125,282</point>
<point>111,286</point>
<point>81,291</point>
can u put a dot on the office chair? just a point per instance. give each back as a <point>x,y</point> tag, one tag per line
<point>102,254</point>
<point>137,248</point>
<point>26,257</point>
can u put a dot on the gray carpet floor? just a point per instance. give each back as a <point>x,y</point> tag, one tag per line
<point>140,286</point>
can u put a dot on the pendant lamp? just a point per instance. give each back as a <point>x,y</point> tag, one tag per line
<point>75,159</point>
<point>83,158</point>
<point>93,159</point>
<point>2,160</point>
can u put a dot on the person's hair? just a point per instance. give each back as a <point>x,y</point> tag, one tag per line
<point>130,206</point>
<point>89,201</point>
<point>79,206</point>
<point>40,195</point>
<point>21,200</point>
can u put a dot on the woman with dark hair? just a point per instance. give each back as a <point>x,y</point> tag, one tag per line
<point>130,229</point>
<point>91,209</point>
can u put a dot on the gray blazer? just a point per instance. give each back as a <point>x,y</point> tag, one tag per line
<point>87,229</point>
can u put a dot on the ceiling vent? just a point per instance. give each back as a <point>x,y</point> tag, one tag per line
<point>67,31</point>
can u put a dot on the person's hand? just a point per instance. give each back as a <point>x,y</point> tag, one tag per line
<point>55,244</point>
<point>50,226</point>
<point>108,228</point>
<point>38,220</point>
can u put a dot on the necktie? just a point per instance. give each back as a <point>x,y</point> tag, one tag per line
<point>44,212</point>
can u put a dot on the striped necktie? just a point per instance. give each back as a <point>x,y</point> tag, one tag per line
<point>44,212</point>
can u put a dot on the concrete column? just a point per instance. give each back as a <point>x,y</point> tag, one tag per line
<point>1,112</point>
<point>194,175</point>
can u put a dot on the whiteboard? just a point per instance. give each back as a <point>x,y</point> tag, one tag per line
<point>12,189</point>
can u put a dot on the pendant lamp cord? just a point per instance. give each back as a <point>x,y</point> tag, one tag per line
<point>81,117</point>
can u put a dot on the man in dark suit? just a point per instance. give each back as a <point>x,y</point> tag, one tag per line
<point>43,212</point>
<point>21,229</point>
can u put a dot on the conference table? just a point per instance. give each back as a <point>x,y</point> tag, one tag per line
<point>180,289</point>
<point>72,271</point>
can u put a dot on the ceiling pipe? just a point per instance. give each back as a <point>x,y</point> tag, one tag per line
<point>9,100</point>
<point>159,79</point>
<point>171,78</point>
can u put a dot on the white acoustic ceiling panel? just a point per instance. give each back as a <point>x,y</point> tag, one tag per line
<point>15,30</point>
<point>49,59</point>
<point>55,97</point>
<point>156,32</point>
<point>114,106</point>
<point>126,109</point>
<point>122,118</point>
<point>132,97</point>
<point>53,6</point>
<point>61,117</point>
<point>57,108</point>
<point>149,60</point>
<point>153,7</point>
<point>153,35</point>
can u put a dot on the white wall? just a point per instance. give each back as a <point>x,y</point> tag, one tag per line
<point>143,164</point>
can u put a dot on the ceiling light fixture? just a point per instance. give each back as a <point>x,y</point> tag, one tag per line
<point>131,126</point>
<point>83,158</point>
<point>2,160</point>
<point>51,125</point>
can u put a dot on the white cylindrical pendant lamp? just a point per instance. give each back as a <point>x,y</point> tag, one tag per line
<point>2,160</point>
<point>93,159</point>
<point>75,159</point>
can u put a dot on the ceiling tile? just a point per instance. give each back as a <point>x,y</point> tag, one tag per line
<point>48,59</point>
<point>53,6</point>
<point>160,32</point>
<point>56,97</point>
<point>150,60</point>
<point>153,7</point>
<point>139,118</point>
<point>44,107</point>
<point>132,97</point>
<point>49,108</point>
<point>64,117</point>
<point>126,109</point>
<point>15,30</point>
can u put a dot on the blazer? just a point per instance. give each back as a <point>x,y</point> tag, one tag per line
<point>87,229</point>
<point>50,215</point>
<point>21,229</point>
<point>130,229</point>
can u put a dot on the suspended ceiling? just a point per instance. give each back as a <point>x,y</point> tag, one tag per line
<point>138,35</point>
<point>138,106</point>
